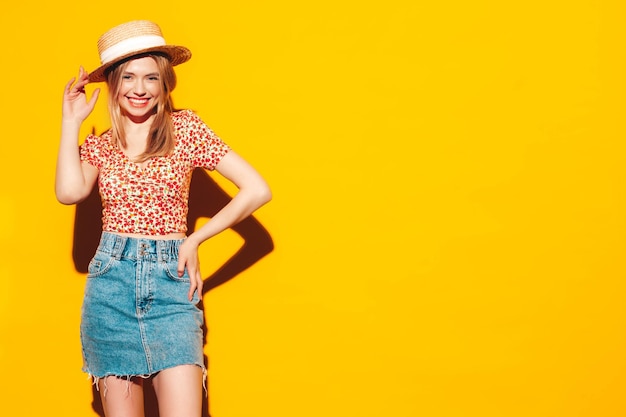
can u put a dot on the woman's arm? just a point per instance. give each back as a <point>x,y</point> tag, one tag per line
<point>74,179</point>
<point>253,193</point>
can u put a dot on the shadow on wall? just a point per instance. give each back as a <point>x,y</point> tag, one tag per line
<point>206,198</point>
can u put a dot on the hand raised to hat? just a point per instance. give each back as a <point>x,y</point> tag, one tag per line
<point>76,107</point>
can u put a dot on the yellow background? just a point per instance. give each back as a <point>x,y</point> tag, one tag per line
<point>448,213</point>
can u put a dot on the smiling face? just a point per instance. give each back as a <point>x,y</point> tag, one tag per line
<point>140,93</point>
<point>140,89</point>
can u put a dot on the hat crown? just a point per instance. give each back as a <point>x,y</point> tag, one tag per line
<point>126,31</point>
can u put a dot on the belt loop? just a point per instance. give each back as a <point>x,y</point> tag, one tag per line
<point>118,246</point>
<point>161,251</point>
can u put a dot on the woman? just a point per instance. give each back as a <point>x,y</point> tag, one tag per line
<point>140,317</point>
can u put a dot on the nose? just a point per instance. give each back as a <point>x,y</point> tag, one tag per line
<point>138,88</point>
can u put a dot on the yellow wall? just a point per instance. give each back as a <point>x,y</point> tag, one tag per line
<point>448,215</point>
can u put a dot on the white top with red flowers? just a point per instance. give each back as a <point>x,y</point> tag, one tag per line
<point>152,200</point>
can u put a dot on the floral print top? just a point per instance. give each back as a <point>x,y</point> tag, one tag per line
<point>152,200</point>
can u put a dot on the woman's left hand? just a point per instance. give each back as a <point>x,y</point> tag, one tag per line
<point>188,258</point>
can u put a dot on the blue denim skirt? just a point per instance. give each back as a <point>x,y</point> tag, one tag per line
<point>136,319</point>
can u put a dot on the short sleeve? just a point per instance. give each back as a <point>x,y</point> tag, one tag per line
<point>91,151</point>
<point>206,148</point>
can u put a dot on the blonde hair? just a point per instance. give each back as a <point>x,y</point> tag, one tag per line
<point>161,139</point>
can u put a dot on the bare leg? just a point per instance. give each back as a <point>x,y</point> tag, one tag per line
<point>121,397</point>
<point>179,391</point>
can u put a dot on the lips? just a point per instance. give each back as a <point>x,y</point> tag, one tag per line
<point>138,102</point>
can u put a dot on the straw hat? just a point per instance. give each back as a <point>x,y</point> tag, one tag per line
<point>134,38</point>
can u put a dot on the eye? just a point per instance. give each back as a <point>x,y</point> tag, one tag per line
<point>126,77</point>
<point>153,78</point>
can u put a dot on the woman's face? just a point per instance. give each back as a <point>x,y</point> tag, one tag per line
<point>140,89</point>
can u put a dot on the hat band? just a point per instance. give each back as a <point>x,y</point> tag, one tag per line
<point>129,45</point>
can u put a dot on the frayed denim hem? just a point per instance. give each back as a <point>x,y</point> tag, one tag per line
<point>95,380</point>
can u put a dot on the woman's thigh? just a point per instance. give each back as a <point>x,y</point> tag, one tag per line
<point>121,396</point>
<point>179,391</point>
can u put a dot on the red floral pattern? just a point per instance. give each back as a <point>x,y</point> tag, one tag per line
<point>152,200</point>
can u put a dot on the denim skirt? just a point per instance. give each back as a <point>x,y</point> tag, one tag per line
<point>136,319</point>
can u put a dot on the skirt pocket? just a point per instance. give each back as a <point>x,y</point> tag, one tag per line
<point>99,264</point>
<point>171,269</point>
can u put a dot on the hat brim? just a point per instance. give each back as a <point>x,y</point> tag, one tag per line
<point>176,54</point>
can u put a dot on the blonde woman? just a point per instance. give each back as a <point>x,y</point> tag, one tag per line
<point>140,316</point>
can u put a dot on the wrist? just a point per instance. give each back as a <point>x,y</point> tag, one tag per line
<point>192,239</point>
<point>71,124</point>
<point>71,127</point>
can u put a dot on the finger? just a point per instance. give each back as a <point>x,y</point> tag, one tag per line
<point>192,288</point>
<point>82,73</point>
<point>94,98</point>
<point>182,261</point>
<point>81,80</point>
<point>68,86</point>
<point>192,270</point>
<point>196,285</point>
<point>80,84</point>
<point>200,285</point>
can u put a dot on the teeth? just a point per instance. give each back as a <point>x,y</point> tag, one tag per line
<point>138,100</point>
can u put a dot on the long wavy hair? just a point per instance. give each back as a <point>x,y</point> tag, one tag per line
<point>161,139</point>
